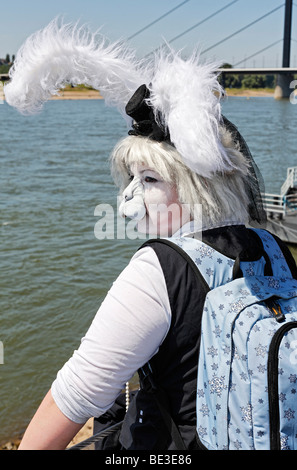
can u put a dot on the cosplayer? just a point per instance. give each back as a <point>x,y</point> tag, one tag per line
<point>183,171</point>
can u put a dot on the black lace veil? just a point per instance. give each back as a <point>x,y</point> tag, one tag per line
<point>255,183</point>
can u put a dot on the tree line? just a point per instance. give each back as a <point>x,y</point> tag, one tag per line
<point>228,80</point>
<point>247,80</point>
<point>6,63</point>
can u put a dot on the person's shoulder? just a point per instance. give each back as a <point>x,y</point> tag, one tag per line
<point>143,264</point>
<point>143,254</point>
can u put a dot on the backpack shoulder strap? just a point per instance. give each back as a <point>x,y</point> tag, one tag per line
<point>210,266</point>
<point>168,253</point>
<point>282,261</point>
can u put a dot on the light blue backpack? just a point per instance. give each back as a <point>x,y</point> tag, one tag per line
<point>247,372</point>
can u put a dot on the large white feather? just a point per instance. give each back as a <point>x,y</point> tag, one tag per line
<point>60,54</point>
<point>186,94</point>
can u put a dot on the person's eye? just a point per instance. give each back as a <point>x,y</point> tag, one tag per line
<point>150,179</point>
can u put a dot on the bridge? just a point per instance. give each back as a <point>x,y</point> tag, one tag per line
<point>285,77</point>
<point>285,74</point>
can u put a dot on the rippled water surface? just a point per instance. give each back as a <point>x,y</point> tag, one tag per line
<point>54,272</point>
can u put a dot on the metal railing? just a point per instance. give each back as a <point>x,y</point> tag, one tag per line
<point>275,204</point>
<point>283,204</point>
<point>291,180</point>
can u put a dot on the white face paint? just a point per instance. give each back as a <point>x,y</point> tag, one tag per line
<point>157,201</point>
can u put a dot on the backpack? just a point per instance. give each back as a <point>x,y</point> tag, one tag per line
<point>247,368</point>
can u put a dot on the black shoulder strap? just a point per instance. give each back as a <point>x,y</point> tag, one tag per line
<point>252,254</point>
<point>146,373</point>
<point>257,251</point>
<point>288,256</point>
<point>179,250</point>
<point>149,385</point>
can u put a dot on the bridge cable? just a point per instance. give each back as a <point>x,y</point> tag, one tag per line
<point>258,52</point>
<point>242,29</point>
<point>158,19</point>
<point>202,21</point>
<point>195,25</point>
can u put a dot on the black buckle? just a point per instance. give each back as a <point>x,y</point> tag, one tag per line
<point>146,378</point>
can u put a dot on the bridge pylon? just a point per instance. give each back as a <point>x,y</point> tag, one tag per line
<point>282,89</point>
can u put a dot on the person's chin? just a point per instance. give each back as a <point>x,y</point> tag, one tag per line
<point>146,226</point>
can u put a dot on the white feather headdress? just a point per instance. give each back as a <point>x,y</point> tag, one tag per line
<point>184,94</point>
<point>61,54</point>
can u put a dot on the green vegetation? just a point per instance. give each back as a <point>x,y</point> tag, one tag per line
<point>248,81</point>
<point>4,68</point>
<point>228,81</point>
<point>6,63</point>
<point>77,88</point>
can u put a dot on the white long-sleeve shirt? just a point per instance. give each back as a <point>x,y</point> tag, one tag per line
<point>126,332</point>
<point>128,329</point>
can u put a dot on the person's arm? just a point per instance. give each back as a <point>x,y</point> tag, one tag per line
<point>49,429</point>
<point>126,332</point>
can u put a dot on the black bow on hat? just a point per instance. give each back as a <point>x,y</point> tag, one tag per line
<point>144,122</point>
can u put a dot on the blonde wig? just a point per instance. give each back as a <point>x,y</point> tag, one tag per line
<point>223,197</point>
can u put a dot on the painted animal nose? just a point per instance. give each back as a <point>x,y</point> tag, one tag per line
<point>132,204</point>
<point>128,193</point>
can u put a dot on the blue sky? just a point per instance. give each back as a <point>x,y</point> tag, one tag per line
<point>122,18</point>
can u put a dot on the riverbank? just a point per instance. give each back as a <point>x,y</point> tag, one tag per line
<point>88,94</point>
<point>265,92</point>
<point>80,93</point>
<point>77,94</point>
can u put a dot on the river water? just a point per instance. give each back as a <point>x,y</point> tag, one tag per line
<point>54,272</point>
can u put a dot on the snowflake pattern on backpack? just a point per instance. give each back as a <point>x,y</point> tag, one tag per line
<point>245,352</point>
